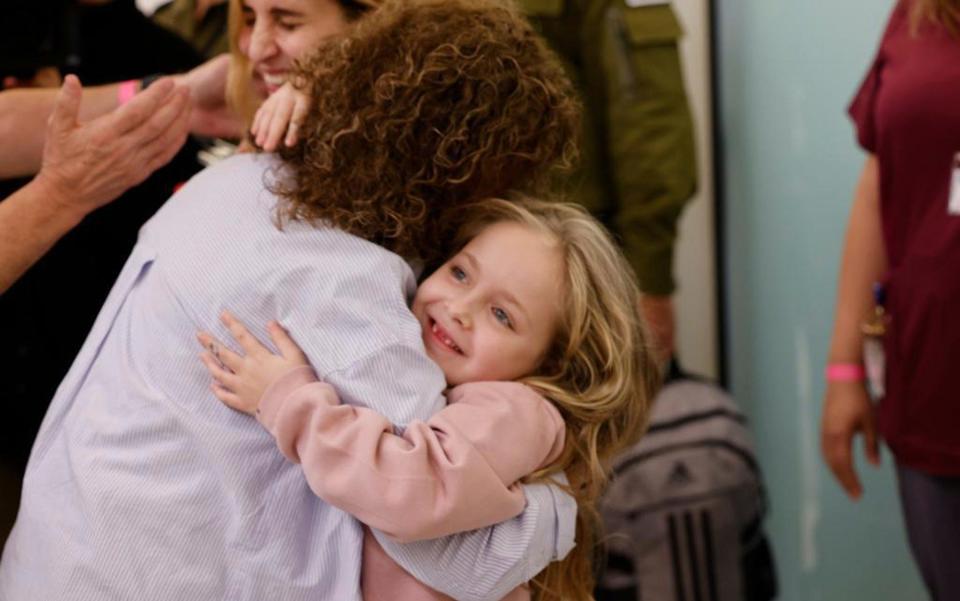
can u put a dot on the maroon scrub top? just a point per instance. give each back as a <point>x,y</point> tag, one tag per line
<point>907,113</point>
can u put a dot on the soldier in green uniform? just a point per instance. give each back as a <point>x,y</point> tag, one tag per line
<point>639,164</point>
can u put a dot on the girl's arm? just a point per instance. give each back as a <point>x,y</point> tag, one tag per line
<point>456,472</point>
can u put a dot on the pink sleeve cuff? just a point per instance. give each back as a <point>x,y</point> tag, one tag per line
<point>280,390</point>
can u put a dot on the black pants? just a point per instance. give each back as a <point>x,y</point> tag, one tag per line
<point>931,508</point>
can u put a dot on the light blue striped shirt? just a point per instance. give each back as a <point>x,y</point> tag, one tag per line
<point>141,484</point>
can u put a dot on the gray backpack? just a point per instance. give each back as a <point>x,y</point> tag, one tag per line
<point>684,510</point>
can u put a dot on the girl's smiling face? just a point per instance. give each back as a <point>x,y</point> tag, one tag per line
<point>491,312</point>
<point>275,33</point>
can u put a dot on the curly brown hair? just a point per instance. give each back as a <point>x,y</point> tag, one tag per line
<point>423,107</point>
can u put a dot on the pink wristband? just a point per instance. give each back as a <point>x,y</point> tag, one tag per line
<point>844,372</point>
<point>127,90</point>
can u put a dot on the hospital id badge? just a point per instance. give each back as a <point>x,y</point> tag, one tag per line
<point>874,358</point>
<point>953,205</point>
<point>875,366</point>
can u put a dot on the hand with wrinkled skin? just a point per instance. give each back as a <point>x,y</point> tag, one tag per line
<point>86,165</point>
<point>90,164</point>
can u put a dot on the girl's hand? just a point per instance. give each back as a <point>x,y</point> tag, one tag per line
<point>283,112</point>
<point>240,380</point>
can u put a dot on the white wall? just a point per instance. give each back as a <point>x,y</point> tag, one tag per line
<point>696,299</point>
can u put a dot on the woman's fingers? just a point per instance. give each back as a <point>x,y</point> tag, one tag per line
<point>258,118</point>
<point>291,137</point>
<point>261,119</point>
<point>296,119</point>
<point>278,124</point>
<point>288,348</point>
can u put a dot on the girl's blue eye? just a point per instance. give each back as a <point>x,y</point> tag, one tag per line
<point>502,317</point>
<point>458,274</point>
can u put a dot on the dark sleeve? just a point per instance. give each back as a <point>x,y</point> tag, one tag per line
<point>862,109</point>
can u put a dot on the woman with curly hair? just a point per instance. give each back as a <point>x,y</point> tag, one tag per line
<point>535,323</point>
<point>141,485</point>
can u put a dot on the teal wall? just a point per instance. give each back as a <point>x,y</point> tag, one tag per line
<point>787,71</point>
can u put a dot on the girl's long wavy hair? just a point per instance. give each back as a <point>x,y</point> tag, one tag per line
<point>600,371</point>
<point>941,12</point>
<point>422,107</point>
<point>239,93</point>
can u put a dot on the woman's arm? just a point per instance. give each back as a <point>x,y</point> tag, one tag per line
<point>455,472</point>
<point>846,408</point>
<point>24,113</point>
<point>23,117</point>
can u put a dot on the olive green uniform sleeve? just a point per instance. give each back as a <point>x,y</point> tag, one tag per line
<point>639,163</point>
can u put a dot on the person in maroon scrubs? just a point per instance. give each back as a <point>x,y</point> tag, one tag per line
<point>904,233</point>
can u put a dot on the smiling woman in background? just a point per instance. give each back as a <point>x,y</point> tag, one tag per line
<point>267,36</point>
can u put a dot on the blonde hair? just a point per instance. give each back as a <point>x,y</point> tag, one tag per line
<point>941,12</point>
<point>240,96</point>
<point>599,372</point>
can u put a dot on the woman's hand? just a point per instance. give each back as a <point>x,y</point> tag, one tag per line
<point>847,411</point>
<point>240,380</point>
<point>280,116</point>
<point>91,163</point>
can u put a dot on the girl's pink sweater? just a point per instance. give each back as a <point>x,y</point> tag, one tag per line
<point>457,471</point>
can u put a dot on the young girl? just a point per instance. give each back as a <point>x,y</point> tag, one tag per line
<point>535,325</point>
